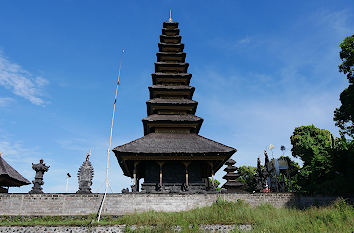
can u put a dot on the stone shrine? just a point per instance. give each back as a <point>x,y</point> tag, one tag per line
<point>172,157</point>
<point>85,175</point>
<point>40,168</point>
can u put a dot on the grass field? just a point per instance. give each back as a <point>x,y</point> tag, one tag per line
<point>338,217</point>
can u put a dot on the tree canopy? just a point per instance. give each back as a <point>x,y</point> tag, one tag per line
<point>343,116</point>
<point>328,162</point>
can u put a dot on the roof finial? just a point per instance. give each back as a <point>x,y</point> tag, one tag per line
<point>170,19</point>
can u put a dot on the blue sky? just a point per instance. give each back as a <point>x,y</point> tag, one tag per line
<point>260,69</point>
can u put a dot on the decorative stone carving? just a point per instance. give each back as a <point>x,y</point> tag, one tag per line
<point>40,169</point>
<point>85,175</point>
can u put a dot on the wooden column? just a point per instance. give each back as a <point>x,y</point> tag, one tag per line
<point>134,178</point>
<point>186,164</point>
<point>161,164</point>
<point>212,173</point>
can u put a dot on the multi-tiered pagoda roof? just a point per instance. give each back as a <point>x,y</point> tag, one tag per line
<point>171,127</point>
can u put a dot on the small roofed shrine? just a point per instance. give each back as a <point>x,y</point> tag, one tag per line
<point>172,156</point>
<point>232,185</point>
<point>9,177</point>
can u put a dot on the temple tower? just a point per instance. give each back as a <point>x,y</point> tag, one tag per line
<point>172,157</point>
<point>232,185</point>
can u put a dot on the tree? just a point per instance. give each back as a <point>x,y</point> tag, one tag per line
<point>313,146</point>
<point>328,162</point>
<point>344,115</point>
<point>343,164</point>
<point>247,177</point>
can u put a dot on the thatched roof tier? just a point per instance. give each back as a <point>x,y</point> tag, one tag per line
<point>171,67</point>
<point>230,176</point>
<point>171,78</point>
<point>170,25</point>
<point>230,162</point>
<point>170,31</point>
<point>170,39</point>
<point>171,57</point>
<point>9,177</point>
<point>177,48</point>
<point>189,122</point>
<point>230,168</point>
<point>164,143</point>
<point>173,146</point>
<point>158,91</point>
<point>179,106</point>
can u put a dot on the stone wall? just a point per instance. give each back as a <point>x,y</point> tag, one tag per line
<point>119,204</point>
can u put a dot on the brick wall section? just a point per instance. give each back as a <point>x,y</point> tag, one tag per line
<point>119,204</point>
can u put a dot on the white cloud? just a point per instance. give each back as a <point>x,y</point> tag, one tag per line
<point>21,82</point>
<point>4,101</point>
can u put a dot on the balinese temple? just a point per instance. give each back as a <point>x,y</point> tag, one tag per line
<point>232,185</point>
<point>9,177</point>
<point>172,156</point>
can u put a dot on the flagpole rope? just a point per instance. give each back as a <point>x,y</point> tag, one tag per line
<point>110,142</point>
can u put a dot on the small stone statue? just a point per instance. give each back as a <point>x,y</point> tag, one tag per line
<point>40,168</point>
<point>85,175</point>
<point>126,190</point>
<point>158,187</point>
<point>185,187</point>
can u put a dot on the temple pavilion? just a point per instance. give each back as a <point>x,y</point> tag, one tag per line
<point>9,177</point>
<point>172,156</point>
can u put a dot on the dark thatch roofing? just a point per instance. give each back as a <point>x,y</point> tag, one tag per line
<point>9,177</point>
<point>171,101</point>
<point>171,75</point>
<point>169,143</point>
<point>165,87</point>
<point>182,117</point>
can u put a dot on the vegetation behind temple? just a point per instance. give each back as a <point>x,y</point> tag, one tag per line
<point>339,217</point>
<point>328,162</point>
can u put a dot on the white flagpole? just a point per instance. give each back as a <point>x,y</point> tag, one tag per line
<point>110,142</point>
